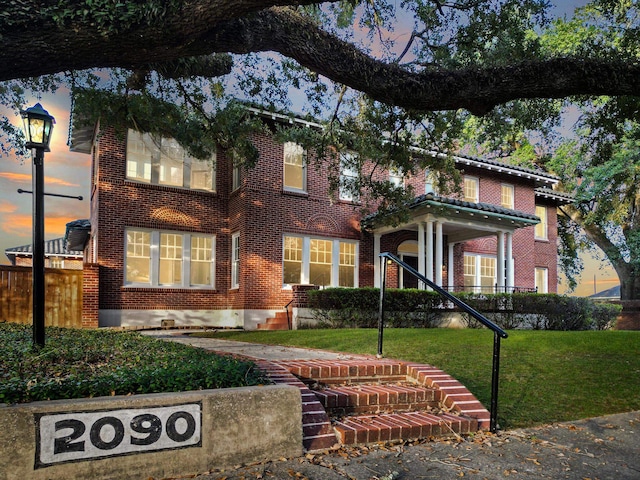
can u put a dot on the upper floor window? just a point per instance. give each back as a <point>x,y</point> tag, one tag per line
<point>541,228</point>
<point>349,173</point>
<point>295,171</point>
<point>171,259</point>
<point>163,161</point>
<point>396,177</point>
<point>430,182</point>
<point>319,261</point>
<point>471,189</point>
<point>236,177</point>
<point>507,196</point>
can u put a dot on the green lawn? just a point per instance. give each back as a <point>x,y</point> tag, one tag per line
<point>545,376</point>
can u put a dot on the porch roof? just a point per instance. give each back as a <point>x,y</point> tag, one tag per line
<point>461,220</point>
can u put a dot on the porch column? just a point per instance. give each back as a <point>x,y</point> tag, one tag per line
<point>439,253</point>
<point>429,262</point>
<point>421,254</point>
<point>500,261</point>
<point>509,254</point>
<point>451,269</point>
<point>376,260</point>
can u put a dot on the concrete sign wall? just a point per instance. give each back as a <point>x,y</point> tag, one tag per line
<point>144,436</point>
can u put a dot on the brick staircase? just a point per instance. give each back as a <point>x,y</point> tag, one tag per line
<point>279,322</point>
<point>370,400</point>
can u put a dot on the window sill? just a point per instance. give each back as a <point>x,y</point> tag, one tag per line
<point>167,188</point>
<point>139,287</point>
<point>295,193</point>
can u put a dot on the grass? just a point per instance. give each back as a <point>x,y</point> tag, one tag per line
<point>545,376</point>
<point>87,363</point>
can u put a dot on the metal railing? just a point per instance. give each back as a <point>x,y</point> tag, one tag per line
<point>498,332</point>
<point>286,309</point>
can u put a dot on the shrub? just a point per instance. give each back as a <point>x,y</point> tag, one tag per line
<point>88,363</point>
<point>349,307</point>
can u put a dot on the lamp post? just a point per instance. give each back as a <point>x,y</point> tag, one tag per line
<point>38,126</point>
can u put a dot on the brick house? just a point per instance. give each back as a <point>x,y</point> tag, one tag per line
<point>56,255</point>
<point>175,238</point>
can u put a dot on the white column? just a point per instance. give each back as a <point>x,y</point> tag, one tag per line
<point>451,269</point>
<point>335,260</point>
<point>376,260</point>
<point>306,257</point>
<point>429,263</point>
<point>439,253</point>
<point>510,270</point>
<point>500,261</point>
<point>421,253</point>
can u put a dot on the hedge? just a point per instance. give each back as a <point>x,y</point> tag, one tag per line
<point>358,308</point>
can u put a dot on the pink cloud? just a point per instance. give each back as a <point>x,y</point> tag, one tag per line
<point>25,178</point>
<point>7,207</point>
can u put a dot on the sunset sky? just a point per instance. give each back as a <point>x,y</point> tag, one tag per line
<point>69,174</point>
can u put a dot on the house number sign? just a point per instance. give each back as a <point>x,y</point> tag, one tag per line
<point>78,436</point>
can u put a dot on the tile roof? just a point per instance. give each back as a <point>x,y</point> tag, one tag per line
<point>55,248</point>
<point>430,198</point>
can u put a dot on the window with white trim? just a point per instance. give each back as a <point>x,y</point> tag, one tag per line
<point>319,261</point>
<point>507,196</point>
<point>430,182</point>
<point>235,260</point>
<point>349,173</point>
<point>542,280</point>
<point>169,259</point>
<point>295,168</point>
<point>541,230</point>
<point>163,161</point>
<point>470,189</point>
<point>396,177</point>
<point>479,273</point>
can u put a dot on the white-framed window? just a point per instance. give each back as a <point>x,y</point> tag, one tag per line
<point>542,280</point>
<point>156,258</point>
<point>479,273</point>
<point>541,230</point>
<point>236,177</point>
<point>507,196</point>
<point>319,261</point>
<point>470,189</point>
<point>235,260</point>
<point>163,161</point>
<point>396,177</point>
<point>295,168</point>
<point>349,173</point>
<point>56,262</point>
<point>430,182</point>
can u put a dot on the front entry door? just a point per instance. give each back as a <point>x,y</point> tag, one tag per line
<point>408,280</point>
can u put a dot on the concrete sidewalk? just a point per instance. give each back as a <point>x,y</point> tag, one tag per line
<point>600,448</point>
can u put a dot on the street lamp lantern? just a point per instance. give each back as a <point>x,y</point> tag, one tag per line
<point>38,126</point>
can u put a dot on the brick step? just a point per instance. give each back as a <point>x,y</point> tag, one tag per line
<point>365,429</point>
<point>367,398</point>
<point>273,326</point>
<point>347,372</point>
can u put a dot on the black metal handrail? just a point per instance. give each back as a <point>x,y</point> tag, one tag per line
<point>497,331</point>
<point>286,309</point>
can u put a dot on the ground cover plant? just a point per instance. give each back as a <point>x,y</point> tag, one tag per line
<point>88,363</point>
<point>545,376</point>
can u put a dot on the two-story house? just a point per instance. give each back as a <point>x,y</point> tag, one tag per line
<point>201,242</point>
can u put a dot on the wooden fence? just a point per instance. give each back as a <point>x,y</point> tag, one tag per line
<point>63,296</point>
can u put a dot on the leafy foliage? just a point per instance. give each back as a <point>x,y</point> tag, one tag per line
<point>84,363</point>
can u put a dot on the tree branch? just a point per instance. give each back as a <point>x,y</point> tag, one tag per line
<point>204,27</point>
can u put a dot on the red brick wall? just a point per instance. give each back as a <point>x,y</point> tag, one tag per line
<point>262,212</point>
